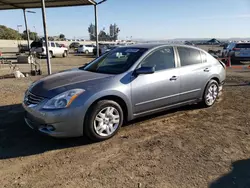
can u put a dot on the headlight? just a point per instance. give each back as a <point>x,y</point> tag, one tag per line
<point>63,100</point>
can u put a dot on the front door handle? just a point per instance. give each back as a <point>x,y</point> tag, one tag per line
<point>206,70</point>
<point>173,78</point>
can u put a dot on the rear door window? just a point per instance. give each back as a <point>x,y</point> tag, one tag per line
<point>189,56</point>
<point>57,45</point>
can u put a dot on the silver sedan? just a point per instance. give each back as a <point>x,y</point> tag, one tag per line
<point>126,83</point>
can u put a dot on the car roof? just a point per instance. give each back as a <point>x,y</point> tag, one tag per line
<point>155,45</point>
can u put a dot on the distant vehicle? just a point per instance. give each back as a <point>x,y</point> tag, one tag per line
<point>62,45</point>
<point>223,52</point>
<point>189,43</point>
<point>102,49</point>
<point>23,48</point>
<point>54,49</point>
<point>74,45</point>
<point>238,52</point>
<point>86,48</point>
<point>127,83</point>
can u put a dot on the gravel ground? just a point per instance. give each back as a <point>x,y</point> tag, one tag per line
<point>182,148</point>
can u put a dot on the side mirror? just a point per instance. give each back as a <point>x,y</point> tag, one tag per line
<point>145,70</point>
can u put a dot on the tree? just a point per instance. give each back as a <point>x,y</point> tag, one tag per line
<point>33,35</point>
<point>103,36</point>
<point>92,33</point>
<point>51,38</point>
<point>8,33</point>
<point>62,37</point>
<point>113,33</point>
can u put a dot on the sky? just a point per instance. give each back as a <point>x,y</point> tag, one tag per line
<point>144,19</point>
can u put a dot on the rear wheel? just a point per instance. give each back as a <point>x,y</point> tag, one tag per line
<point>103,120</point>
<point>211,93</point>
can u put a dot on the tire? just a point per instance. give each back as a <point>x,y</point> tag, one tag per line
<point>50,54</point>
<point>65,54</point>
<point>86,52</point>
<point>234,62</point>
<point>212,89</point>
<point>39,72</point>
<point>33,73</point>
<point>92,125</point>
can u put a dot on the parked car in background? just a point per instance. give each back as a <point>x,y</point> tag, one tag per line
<point>54,49</point>
<point>124,84</point>
<point>86,48</point>
<point>238,52</point>
<point>62,45</point>
<point>22,48</point>
<point>189,43</point>
<point>102,49</point>
<point>74,45</point>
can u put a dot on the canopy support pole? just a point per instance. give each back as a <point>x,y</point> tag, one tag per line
<point>96,31</point>
<point>46,37</point>
<point>27,30</point>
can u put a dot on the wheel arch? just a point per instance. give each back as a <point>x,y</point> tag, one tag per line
<point>117,98</point>
<point>214,77</point>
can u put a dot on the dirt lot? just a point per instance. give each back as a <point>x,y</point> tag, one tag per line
<point>182,148</point>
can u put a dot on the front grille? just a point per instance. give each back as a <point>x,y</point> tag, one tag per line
<point>32,99</point>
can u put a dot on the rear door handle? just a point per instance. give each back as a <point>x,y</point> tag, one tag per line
<point>206,70</point>
<point>173,78</point>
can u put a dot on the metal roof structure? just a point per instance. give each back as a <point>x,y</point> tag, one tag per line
<point>43,4</point>
<point>25,4</point>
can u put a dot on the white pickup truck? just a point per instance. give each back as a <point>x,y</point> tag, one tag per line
<point>54,49</point>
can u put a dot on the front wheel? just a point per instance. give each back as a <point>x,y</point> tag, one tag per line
<point>211,93</point>
<point>86,52</point>
<point>65,53</point>
<point>103,120</point>
<point>50,54</point>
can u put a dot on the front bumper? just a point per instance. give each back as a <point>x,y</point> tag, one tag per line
<point>55,123</point>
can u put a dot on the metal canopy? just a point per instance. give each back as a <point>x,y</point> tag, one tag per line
<point>24,4</point>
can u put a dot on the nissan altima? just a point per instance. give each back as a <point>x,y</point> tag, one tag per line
<point>126,83</point>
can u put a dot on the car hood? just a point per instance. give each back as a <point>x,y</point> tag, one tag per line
<point>57,83</point>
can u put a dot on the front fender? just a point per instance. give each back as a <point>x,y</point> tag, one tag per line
<point>107,93</point>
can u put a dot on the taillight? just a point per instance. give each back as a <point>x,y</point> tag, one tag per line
<point>236,49</point>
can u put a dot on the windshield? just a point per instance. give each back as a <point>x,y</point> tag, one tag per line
<point>116,61</point>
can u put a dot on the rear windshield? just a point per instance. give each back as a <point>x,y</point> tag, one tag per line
<point>243,45</point>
